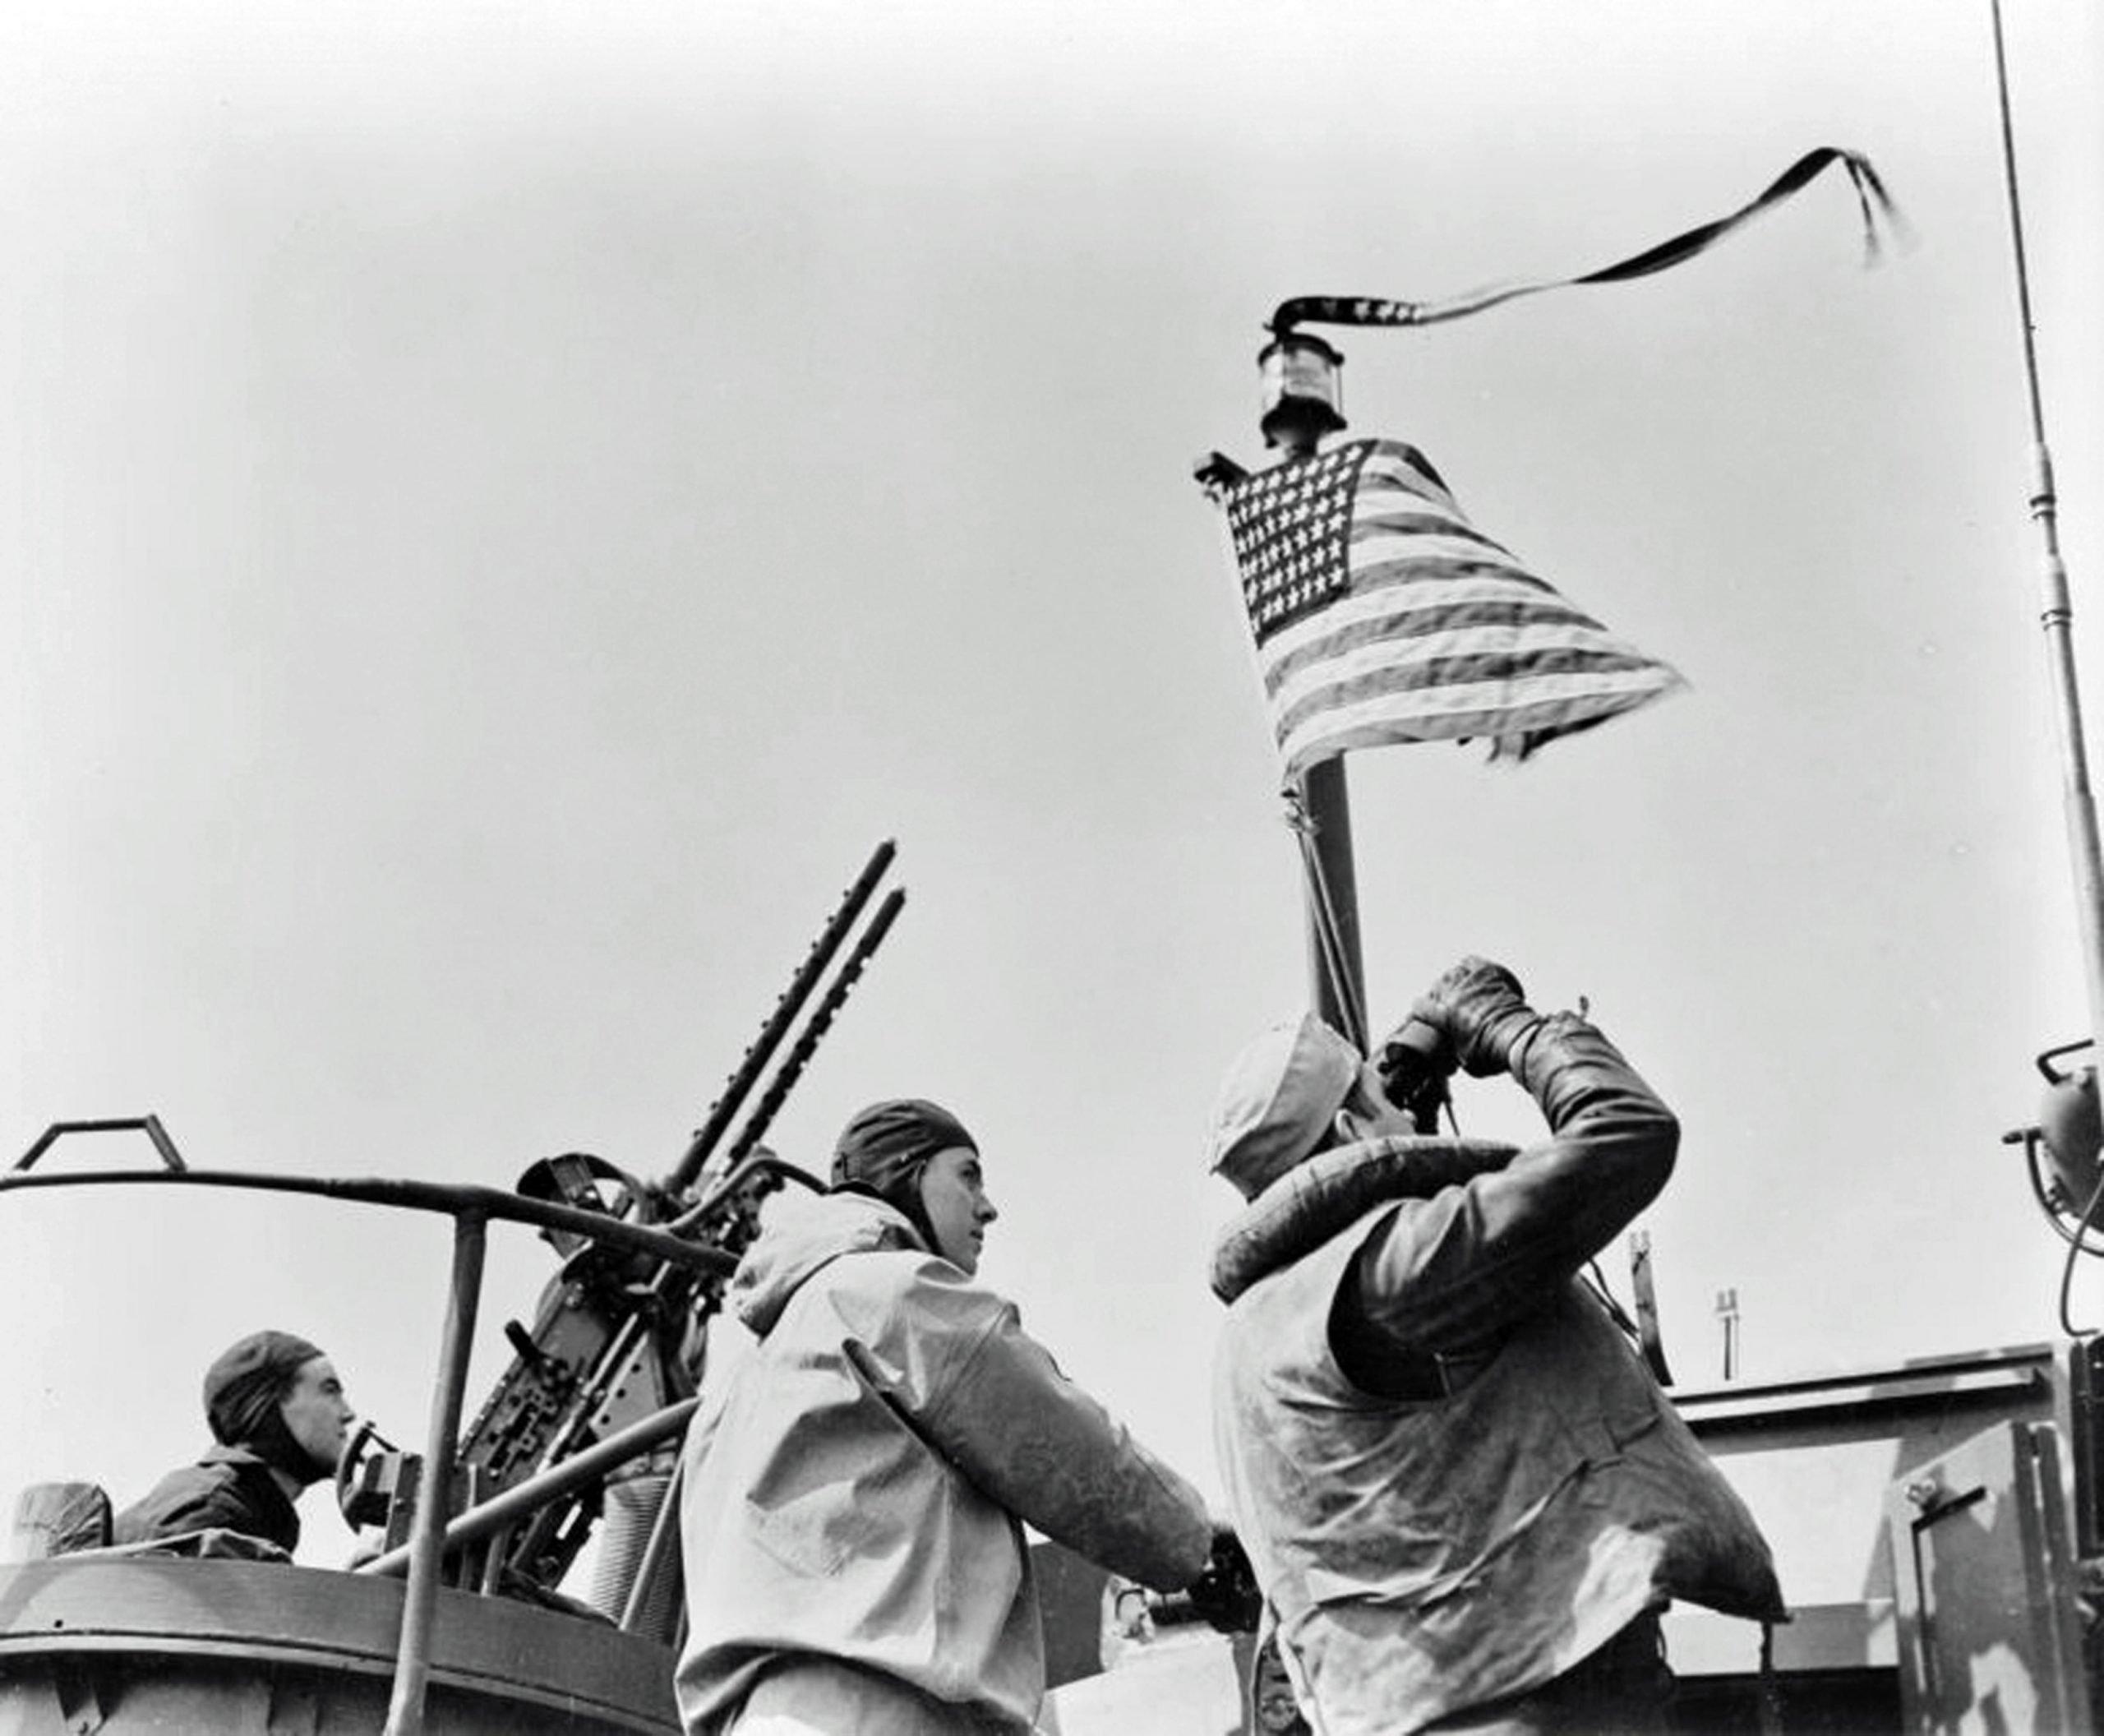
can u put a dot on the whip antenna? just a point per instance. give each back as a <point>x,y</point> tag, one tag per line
<point>2056,614</point>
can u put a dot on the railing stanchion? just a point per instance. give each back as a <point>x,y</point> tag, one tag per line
<point>405,1712</point>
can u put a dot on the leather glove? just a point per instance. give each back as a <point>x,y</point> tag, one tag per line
<point>1482,1011</point>
<point>1225,1593</point>
<point>1415,1061</point>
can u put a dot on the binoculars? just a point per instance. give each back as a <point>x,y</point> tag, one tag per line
<point>1415,1062</point>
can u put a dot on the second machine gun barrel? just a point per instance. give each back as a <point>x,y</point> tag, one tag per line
<point>761,1051</point>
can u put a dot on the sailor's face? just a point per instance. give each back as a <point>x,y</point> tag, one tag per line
<point>317,1413</point>
<point>953,1194</point>
<point>1277,1709</point>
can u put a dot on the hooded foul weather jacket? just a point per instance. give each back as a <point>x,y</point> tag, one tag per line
<point>1455,1477</point>
<point>853,1495</point>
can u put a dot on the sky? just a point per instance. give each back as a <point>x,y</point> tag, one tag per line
<point>502,507</point>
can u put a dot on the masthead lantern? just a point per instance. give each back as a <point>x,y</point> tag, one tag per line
<point>1304,390</point>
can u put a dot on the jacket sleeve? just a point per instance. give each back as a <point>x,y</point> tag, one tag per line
<point>1037,1443</point>
<point>1450,1273</point>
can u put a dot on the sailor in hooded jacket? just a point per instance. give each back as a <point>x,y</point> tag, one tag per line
<point>1465,1498</point>
<point>853,1496</point>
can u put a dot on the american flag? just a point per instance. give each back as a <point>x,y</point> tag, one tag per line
<point>1381,615</point>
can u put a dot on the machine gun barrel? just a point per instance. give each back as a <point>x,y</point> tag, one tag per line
<point>821,1021</point>
<point>793,1064</point>
<point>786,1011</point>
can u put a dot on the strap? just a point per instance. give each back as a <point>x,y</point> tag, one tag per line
<point>1771,1685</point>
<point>1334,966</point>
<point>1648,1336</point>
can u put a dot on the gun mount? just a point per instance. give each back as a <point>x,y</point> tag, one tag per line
<point>585,1420</point>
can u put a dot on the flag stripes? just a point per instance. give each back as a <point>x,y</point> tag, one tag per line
<point>1381,615</point>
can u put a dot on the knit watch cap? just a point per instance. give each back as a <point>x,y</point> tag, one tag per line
<point>890,1142</point>
<point>243,1388</point>
<point>1277,1101</point>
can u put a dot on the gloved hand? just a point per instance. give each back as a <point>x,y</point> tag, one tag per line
<point>1482,1011</point>
<point>1225,1593</point>
<point>1415,1061</point>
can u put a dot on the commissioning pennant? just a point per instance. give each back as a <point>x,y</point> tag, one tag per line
<point>1381,615</point>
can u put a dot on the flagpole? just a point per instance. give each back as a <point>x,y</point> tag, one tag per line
<point>1302,404</point>
<point>2057,614</point>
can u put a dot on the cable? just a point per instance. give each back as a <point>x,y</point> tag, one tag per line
<point>2075,1246</point>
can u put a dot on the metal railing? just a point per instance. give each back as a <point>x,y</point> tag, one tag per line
<point>472,1209</point>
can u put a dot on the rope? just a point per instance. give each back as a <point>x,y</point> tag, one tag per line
<point>1327,927</point>
<point>2076,1244</point>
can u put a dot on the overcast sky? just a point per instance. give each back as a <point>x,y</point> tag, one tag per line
<point>504,506</point>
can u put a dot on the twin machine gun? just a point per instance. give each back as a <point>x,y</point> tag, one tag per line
<point>620,1337</point>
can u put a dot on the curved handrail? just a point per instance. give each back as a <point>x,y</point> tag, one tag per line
<point>455,1199</point>
<point>472,1209</point>
<point>761,1163</point>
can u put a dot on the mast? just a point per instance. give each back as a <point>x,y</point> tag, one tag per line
<point>1302,403</point>
<point>2056,615</point>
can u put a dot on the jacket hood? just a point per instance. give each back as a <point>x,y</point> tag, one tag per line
<point>806,1237</point>
<point>1332,1190</point>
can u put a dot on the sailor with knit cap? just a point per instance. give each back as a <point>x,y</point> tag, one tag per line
<point>853,1495</point>
<point>277,1410</point>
